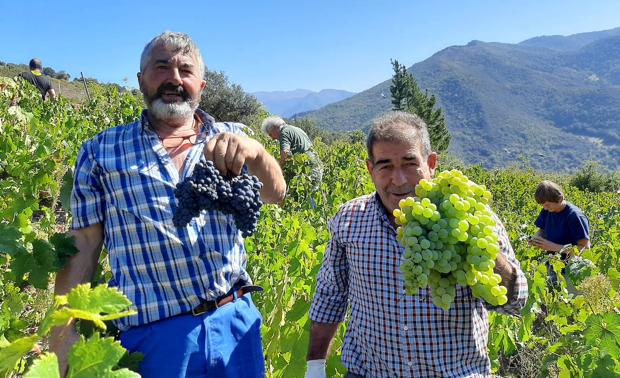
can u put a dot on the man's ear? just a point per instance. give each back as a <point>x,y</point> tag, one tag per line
<point>203,85</point>
<point>139,76</point>
<point>431,161</point>
<point>369,166</point>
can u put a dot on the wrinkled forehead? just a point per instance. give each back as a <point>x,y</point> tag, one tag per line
<point>396,149</point>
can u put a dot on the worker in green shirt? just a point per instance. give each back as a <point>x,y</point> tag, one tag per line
<point>293,140</point>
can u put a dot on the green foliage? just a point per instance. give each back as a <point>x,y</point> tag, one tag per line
<point>44,367</point>
<point>228,102</point>
<point>96,357</point>
<point>308,125</point>
<point>407,96</point>
<point>557,332</point>
<point>591,177</point>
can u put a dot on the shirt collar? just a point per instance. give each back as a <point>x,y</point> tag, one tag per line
<point>380,210</point>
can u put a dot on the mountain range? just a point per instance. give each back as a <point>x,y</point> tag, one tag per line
<point>288,103</point>
<point>551,101</point>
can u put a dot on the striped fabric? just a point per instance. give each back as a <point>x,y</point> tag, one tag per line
<point>391,334</point>
<point>125,179</point>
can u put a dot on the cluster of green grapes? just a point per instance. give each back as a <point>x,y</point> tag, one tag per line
<point>449,238</point>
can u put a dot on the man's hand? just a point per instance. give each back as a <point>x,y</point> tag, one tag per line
<point>315,369</point>
<point>229,152</point>
<point>544,244</point>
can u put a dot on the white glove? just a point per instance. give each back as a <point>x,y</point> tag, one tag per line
<point>315,369</point>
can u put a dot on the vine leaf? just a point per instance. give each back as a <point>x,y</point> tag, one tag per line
<point>96,357</point>
<point>10,355</point>
<point>64,246</point>
<point>44,367</point>
<point>603,331</point>
<point>82,302</point>
<point>9,240</point>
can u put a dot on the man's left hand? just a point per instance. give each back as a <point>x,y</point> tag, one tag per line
<point>229,152</point>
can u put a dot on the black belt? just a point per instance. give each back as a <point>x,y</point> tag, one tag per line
<point>221,301</point>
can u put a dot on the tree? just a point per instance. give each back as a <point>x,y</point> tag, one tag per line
<point>228,102</point>
<point>407,96</point>
<point>62,75</point>
<point>49,71</point>
<point>312,130</point>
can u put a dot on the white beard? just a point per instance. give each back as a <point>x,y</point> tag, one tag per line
<point>175,110</point>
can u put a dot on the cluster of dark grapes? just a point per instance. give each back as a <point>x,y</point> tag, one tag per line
<point>206,189</point>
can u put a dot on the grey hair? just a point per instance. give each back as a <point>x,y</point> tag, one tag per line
<point>177,43</point>
<point>271,122</point>
<point>399,127</point>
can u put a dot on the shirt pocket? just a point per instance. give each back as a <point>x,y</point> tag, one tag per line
<point>139,190</point>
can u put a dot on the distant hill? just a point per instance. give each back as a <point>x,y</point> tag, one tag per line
<point>553,101</point>
<point>288,103</point>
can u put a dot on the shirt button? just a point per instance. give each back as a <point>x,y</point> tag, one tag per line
<point>410,363</point>
<point>406,329</point>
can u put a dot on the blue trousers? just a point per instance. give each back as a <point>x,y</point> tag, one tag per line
<point>221,343</point>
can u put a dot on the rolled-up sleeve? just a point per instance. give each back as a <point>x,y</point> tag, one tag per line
<point>520,289</point>
<point>87,196</point>
<point>332,290</point>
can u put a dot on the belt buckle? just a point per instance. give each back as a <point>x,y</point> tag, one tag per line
<point>201,309</point>
<point>196,313</point>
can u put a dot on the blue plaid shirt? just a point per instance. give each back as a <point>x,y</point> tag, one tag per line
<point>125,179</point>
<point>391,334</point>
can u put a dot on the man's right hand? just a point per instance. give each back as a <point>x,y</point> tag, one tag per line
<point>61,341</point>
<point>315,369</point>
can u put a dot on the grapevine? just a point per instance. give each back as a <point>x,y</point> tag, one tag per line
<point>206,189</point>
<point>449,239</point>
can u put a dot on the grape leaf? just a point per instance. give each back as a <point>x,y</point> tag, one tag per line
<point>96,357</point>
<point>37,265</point>
<point>86,303</point>
<point>45,263</point>
<point>44,367</point>
<point>20,265</point>
<point>604,332</point>
<point>9,240</point>
<point>101,299</point>
<point>10,355</point>
<point>606,368</point>
<point>64,245</point>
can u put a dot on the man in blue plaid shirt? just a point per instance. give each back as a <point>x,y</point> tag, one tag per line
<point>189,285</point>
<point>390,333</point>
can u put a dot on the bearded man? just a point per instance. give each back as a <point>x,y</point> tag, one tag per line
<point>189,285</point>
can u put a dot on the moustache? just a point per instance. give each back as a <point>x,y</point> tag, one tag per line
<point>177,89</point>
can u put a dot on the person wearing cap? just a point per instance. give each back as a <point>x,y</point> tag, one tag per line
<point>560,225</point>
<point>189,284</point>
<point>40,81</point>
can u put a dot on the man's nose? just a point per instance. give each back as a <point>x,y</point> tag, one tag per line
<point>399,177</point>
<point>174,76</point>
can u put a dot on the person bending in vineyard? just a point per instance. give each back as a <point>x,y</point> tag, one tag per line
<point>390,333</point>
<point>293,140</point>
<point>36,78</point>
<point>189,285</point>
<point>560,225</point>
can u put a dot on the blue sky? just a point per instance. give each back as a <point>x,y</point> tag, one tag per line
<point>281,45</point>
